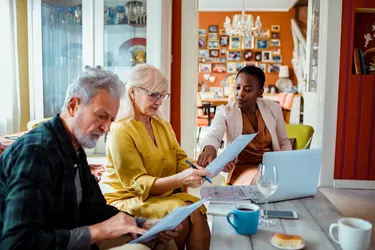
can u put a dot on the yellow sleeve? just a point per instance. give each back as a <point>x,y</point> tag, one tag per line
<point>128,164</point>
<point>181,155</point>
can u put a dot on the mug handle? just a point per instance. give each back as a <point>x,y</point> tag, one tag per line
<point>331,227</point>
<point>229,221</point>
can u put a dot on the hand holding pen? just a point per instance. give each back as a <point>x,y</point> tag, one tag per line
<point>192,177</point>
<point>194,167</point>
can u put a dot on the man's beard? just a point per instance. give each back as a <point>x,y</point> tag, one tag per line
<point>87,141</point>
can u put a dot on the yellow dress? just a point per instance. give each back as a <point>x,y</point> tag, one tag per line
<point>135,162</point>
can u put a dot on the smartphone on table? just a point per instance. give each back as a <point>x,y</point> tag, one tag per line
<point>292,215</point>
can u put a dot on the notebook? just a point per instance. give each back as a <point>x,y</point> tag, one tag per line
<point>223,207</point>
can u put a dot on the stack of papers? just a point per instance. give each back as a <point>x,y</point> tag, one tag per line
<point>224,198</point>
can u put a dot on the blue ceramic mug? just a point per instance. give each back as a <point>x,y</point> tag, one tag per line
<point>245,219</point>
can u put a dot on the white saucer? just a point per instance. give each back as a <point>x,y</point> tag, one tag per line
<point>287,248</point>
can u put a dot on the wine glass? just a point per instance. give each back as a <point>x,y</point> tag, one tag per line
<point>266,180</point>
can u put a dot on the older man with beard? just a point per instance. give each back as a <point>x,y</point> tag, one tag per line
<point>48,198</point>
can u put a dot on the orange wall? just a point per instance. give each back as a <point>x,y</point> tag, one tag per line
<point>268,19</point>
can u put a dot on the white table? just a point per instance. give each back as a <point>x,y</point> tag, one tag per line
<point>315,216</point>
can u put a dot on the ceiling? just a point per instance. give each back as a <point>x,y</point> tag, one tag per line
<point>250,5</point>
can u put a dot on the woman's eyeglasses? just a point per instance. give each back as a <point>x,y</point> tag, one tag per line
<point>155,96</point>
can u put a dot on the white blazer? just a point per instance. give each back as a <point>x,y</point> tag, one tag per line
<point>228,120</point>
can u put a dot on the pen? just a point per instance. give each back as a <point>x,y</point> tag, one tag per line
<point>192,166</point>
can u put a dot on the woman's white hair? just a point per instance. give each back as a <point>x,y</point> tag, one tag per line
<point>145,76</point>
<point>89,82</point>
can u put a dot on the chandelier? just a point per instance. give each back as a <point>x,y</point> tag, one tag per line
<point>242,25</point>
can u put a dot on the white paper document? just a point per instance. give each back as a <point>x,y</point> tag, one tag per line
<point>229,192</point>
<point>169,222</point>
<point>222,208</point>
<point>231,152</point>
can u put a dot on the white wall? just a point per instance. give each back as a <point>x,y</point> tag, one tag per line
<point>189,75</point>
<point>330,40</point>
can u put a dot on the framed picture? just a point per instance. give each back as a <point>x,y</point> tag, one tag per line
<point>202,42</point>
<point>224,40</point>
<point>276,51</point>
<point>215,59</point>
<point>263,67</point>
<point>266,56</point>
<point>277,58</point>
<point>219,67</point>
<point>213,29</point>
<point>275,35</point>
<point>251,64</point>
<point>235,42</point>
<point>262,43</point>
<point>273,68</point>
<point>248,55</point>
<point>265,33</point>
<point>214,53</point>
<point>205,67</point>
<point>223,59</point>
<point>231,67</point>
<point>239,66</point>
<point>213,44</point>
<point>275,43</point>
<point>212,36</point>
<point>223,32</point>
<point>258,56</point>
<point>275,28</point>
<point>234,56</point>
<point>223,51</point>
<point>201,32</point>
<point>203,53</point>
<point>204,59</point>
<point>248,42</point>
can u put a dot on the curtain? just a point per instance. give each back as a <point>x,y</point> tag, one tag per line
<point>10,110</point>
<point>62,52</point>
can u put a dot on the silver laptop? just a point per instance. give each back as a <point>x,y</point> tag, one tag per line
<point>298,173</point>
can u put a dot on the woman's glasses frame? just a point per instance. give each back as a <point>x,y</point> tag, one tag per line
<point>155,96</point>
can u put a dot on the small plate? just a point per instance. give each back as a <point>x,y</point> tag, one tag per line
<point>287,248</point>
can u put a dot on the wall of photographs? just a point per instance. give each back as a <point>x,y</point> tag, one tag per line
<point>221,54</point>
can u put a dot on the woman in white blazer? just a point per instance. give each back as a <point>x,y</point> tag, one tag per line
<point>248,113</point>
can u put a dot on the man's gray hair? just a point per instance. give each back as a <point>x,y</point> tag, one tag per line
<point>89,82</point>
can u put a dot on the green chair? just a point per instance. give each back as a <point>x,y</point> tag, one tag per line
<point>302,133</point>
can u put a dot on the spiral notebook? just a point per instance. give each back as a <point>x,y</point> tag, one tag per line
<point>223,207</point>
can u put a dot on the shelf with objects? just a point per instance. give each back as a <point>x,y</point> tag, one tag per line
<point>364,42</point>
<point>125,32</point>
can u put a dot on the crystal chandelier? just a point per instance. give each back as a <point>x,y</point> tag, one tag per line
<point>242,25</point>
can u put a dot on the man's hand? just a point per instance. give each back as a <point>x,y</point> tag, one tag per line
<point>165,236</point>
<point>114,227</point>
<point>209,154</point>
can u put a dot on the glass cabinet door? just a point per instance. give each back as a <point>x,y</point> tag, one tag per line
<point>124,27</point>
<point>313,46</point>
<point>61,34</point>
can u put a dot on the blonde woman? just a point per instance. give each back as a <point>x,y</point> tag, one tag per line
<point>146,172</point>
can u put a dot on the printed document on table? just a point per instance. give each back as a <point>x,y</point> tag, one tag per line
<point>169,222</point>
<point>231,152</point>
<point>229,192</point>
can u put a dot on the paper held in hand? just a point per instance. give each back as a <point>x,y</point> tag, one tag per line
<point>231,152</point>
<point>169,222</point>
